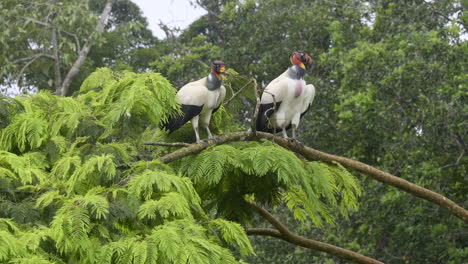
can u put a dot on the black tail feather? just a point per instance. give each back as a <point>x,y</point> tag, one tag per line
<point>188,112</point>
<point>264,113</point>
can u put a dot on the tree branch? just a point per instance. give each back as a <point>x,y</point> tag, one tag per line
<point>33,59</point>
<point>312,154</point>
<point>263,232</point>
<point>34,56</point>
<point>292,238</point>
<point>270,218</point>
<point>168,144</point>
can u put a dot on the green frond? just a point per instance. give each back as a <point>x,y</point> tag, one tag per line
<point>122,152</point>
<point>143,185</point>
<point>131,101</point>
<point>70,227</point>
<point>33,237</point>
<point>113,250</point>
<point>170,204</point>
<point>27,130</point>
<point>8,109</point>
<point>96,168</point>
<point>168,240</point>
<point>96,203</point>
<point>305,207</point>
<point>209,166</point>
<point>26,168</point>
<point>31,259</point>
<point>234,234</point>
<point>10,246</point>
<point>8,225</point>
<point>47,198</point>
<point>67,116</point>
<point>98,80</point>
<point>324,181</point>
<point>65,166</point>
<point>344,185</point>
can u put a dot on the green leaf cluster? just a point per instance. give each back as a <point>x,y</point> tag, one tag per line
<point>228,176</point>
<point>61,160</point>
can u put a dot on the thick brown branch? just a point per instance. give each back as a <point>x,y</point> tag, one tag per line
<point>312,154</point>
<point>270,218</point>
<point>292,238</point>
<point>263,232</point>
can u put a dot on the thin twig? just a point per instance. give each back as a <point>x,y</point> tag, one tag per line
<point>77,41</point>
<point>257,107</point>
<point>34,56</point>
<point>167,144</point>
<point>24,68</point>
<point>240,90</point>
<point>271,109</point>
<point>456,162</point>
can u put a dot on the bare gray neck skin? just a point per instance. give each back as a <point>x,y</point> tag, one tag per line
<point>212,82</point>
<point>296,72</point>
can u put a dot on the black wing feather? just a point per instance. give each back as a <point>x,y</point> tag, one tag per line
<point>188,112</point>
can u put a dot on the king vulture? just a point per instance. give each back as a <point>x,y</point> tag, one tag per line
<point>287,98</point>
<point>199,100</point>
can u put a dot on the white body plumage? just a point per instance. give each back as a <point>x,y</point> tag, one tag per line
<point>292,97</point>
<point>197,94</point>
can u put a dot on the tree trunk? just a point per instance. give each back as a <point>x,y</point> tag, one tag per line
<point>58,77</point>
<point>84,51</point>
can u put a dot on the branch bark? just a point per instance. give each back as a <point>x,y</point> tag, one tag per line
<point>73,72</point>
<point>312,154</point>
<point>168,144</point>
<point>282,232</point>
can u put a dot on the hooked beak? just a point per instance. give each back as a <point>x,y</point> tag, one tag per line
<point>222,70</point>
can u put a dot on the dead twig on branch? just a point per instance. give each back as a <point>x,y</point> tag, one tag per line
<point>257,107</point>
<point>271,109</point>
<point>239,91</point>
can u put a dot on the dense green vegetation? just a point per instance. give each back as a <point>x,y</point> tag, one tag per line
<point>392,88</point>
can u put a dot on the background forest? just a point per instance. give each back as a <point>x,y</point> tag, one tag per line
<point>81,183</point>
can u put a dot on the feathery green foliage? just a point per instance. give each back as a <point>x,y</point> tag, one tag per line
<point>60,161</point>
<point>225,174</point>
